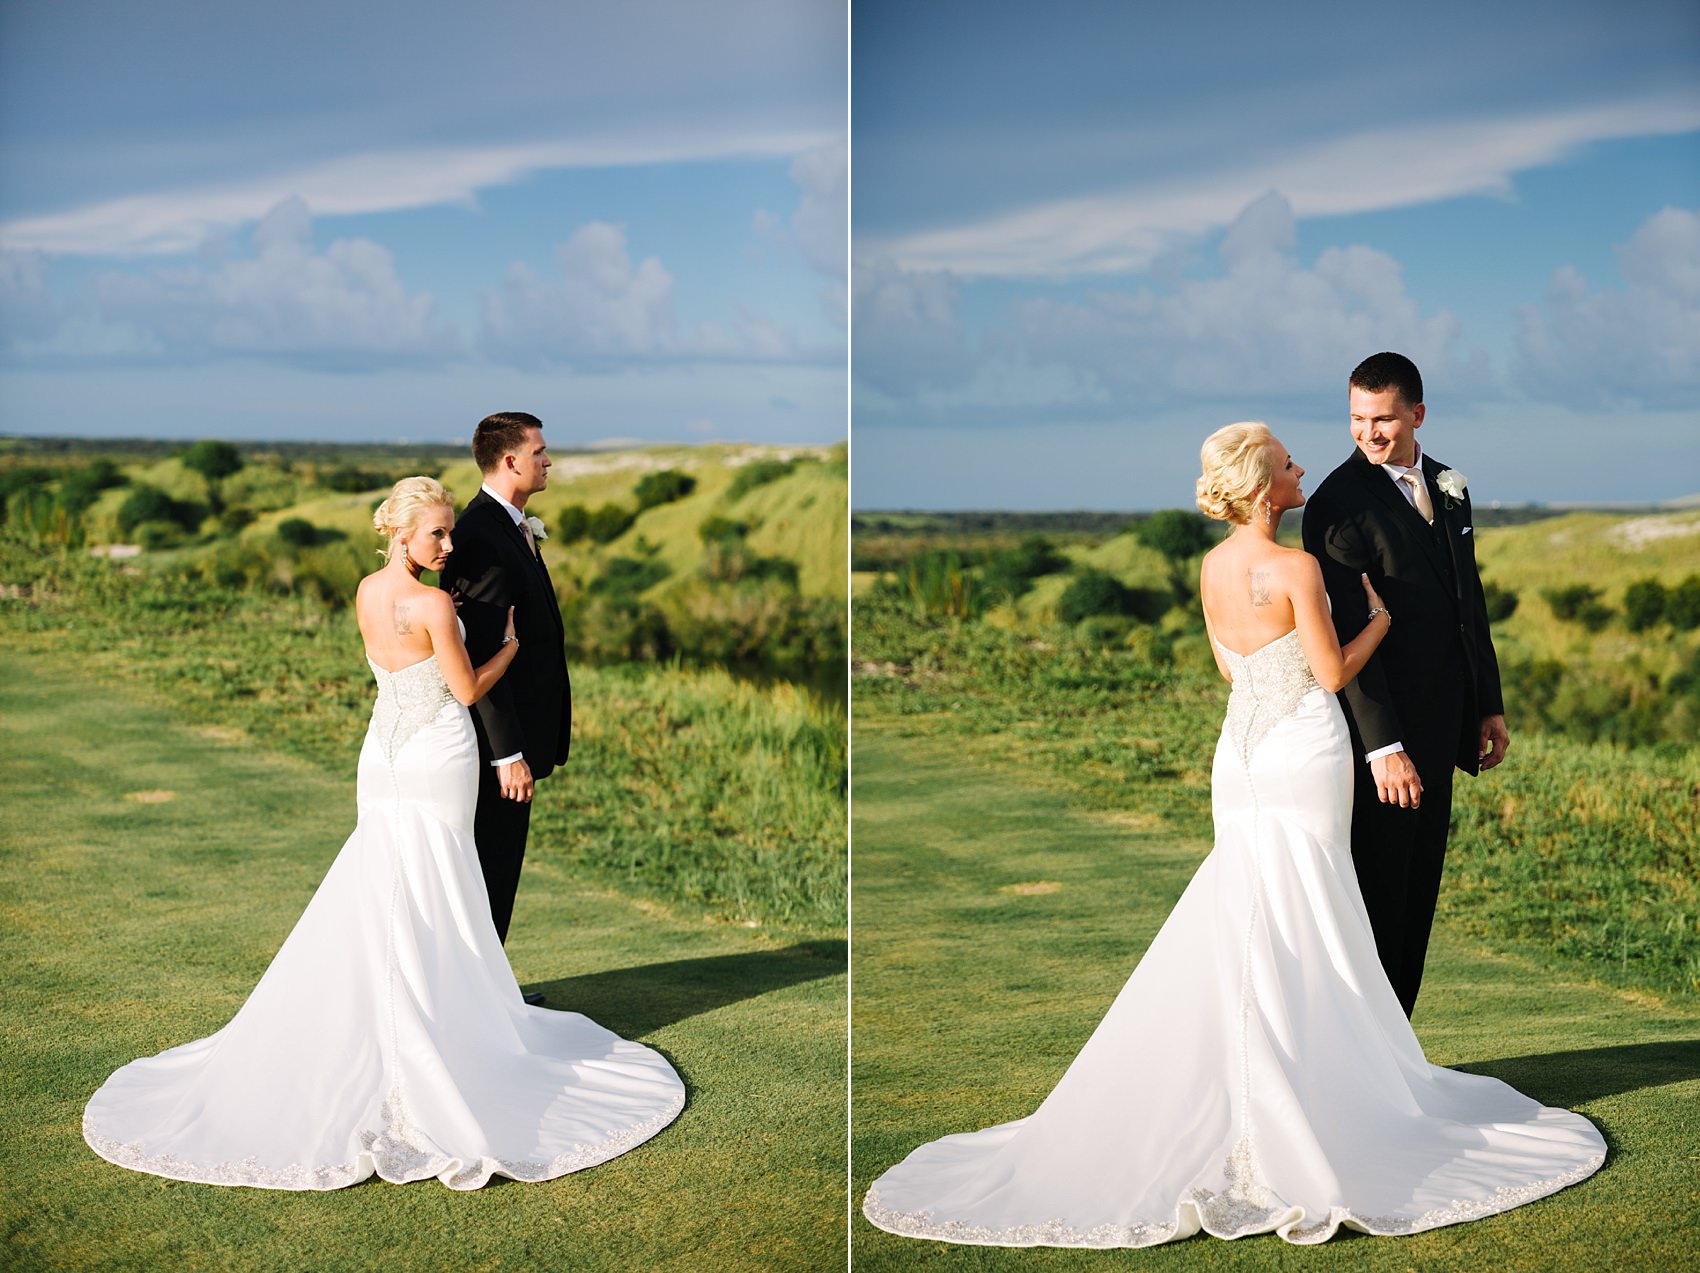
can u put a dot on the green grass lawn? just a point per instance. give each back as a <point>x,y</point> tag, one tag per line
<point>150,868</point>
<point>996,914</point>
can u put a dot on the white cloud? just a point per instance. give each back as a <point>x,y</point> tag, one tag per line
<point>337,308</point>
<point>179,220</point>
<point>600,309</point>
<point>1128,229</point>
<point>1267,329</point>
<point>907,335</point>
<point>1639,344</point>
<point>822,220</point>
<point>1268,326</point>
<point>27,309</point>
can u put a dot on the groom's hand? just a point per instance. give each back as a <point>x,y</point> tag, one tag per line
<point>1396,780</point>
<point>515,777</point>
<point>1495,739</point>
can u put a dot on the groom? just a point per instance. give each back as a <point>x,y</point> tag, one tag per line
<point>1428,700</point>
<point>524,724</point>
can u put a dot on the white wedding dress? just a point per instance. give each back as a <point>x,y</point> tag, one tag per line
<point>388,1036</point>
<point>1256,1072</point>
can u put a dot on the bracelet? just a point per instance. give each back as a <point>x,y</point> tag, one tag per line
<point>513,640</point>
<point>1381,610</point>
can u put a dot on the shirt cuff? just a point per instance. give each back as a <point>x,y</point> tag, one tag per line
<point>508,760</point>
<point>1388,750</point>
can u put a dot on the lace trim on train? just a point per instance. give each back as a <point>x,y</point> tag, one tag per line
<point>1229,1214</point>
<point>1268,685</point>
<point>393,1152</point>
<point>408,700</point>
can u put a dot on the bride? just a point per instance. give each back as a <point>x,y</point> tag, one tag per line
<point>388,1037</point>
<point>1256,1072</point>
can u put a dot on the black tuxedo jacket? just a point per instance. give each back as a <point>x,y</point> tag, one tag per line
<point>1434,675</point>
<point>530,709</point>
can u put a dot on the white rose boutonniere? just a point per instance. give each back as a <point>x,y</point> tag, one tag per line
<point>1452,484</point>
<point>539,534</point>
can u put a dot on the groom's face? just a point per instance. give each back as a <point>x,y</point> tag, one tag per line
<point>530,462</point>
<point>1385,426</point>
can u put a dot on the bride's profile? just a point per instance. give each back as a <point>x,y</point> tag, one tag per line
<point>388,1036</point>
<point>1256,1073</point>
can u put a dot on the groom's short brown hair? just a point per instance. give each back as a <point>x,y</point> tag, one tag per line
<point>498,435</point>
<point>1389,371</point>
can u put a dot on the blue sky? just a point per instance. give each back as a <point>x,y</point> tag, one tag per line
<point>385,220</point>
<point>1085,235</point>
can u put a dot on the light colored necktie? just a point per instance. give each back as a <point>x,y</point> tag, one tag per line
<point>1419,495</point>
<point>530,539</point>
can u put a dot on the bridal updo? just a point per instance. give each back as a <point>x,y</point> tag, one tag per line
<point>1238,463</point>
<point>400,512</point>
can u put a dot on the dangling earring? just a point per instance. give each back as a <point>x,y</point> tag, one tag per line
<point>403,544</point>
<point>1268,515</point>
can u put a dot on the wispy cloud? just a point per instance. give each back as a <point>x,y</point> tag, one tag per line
<point>179,220</point>
<point>1128,229</point>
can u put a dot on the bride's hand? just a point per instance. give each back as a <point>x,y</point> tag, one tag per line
<point>508,632</point>
<point>1375,601</point>
<point>454,596</point>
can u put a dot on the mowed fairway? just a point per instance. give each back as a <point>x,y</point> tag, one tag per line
<point>151,868</point>
<point>995,920</point>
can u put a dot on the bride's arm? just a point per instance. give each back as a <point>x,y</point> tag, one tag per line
<point>466,683</point>
<point>1332,666</point>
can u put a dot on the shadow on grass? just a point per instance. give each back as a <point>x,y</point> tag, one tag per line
<point>635,1001</point>
<point>1572,1078</point>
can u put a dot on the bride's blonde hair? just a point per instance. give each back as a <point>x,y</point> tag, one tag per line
<point>408,498</point>
<point>1238,463</point>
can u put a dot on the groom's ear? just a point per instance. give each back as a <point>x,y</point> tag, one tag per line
<point>1417,416</point>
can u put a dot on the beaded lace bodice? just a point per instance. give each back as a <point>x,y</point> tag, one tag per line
<point>408,700</point>
<point>1268,684</point>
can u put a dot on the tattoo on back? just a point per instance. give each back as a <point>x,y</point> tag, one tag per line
<point>1260,588</point>
<point>403,621</point>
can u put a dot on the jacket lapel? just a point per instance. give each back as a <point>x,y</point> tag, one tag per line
<point>1446,521</point>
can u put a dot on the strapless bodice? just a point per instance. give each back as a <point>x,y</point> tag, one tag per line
<point>1268,685</point>
<point>408,700</point>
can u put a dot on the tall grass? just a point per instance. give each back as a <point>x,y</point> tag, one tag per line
<point>1582,854</point>
<point>689,786</point>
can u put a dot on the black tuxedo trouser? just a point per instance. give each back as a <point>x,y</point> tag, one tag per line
<point>1398,855</point>
<point>500,827</point>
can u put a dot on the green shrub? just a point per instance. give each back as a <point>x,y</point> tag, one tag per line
<point>1682,604</point>
<point>721,530</point>
<point>154,535</point>
<point>758,473</point>
<point>82,486</point>
<point>1568,602</point>
<point>350,480</point>
<point>663,488</point>
<point>298,532</point>
<point>150,504</point>
<point>1501,602</point>
<point>1579,603</point>
<point>570,525</point>
<point>628,576</point>
<point>23,477</point>
<point>212,460</point>
<point>1012,571</point>
<point>1176,533</point>
<point>1643,604</point>
<point>1092,592</point>
<point>609,522</point>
